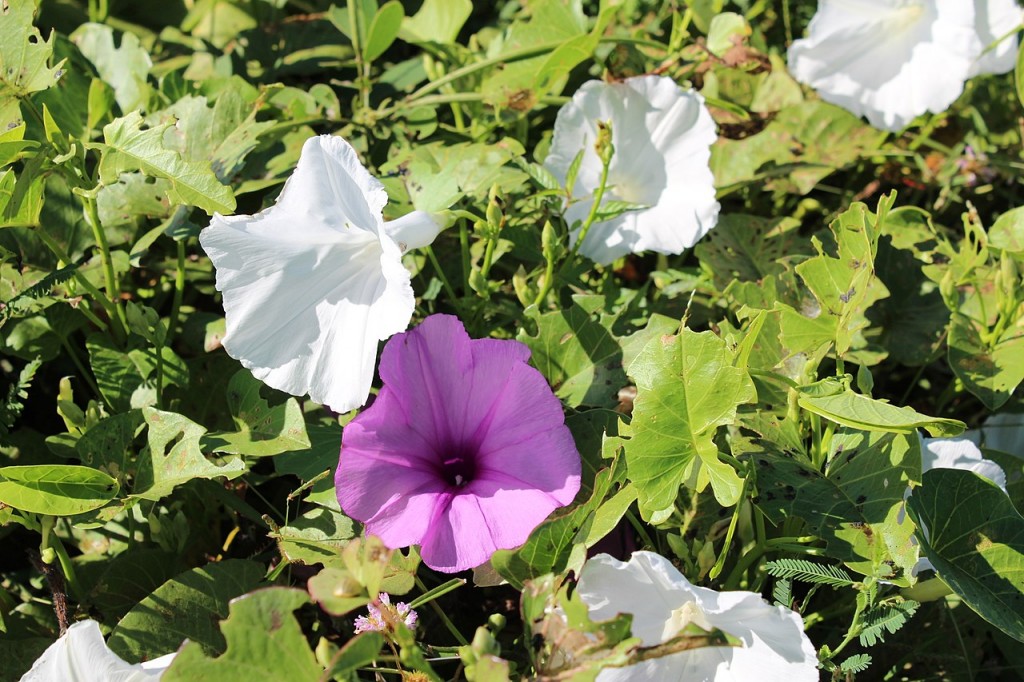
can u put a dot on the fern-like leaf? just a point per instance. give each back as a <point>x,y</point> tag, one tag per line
<point>809,572</point>
<point>783,592</point>
<point>885,618</point>
<point>11,407</point>
<point>857,663</point>
<point>18,304</point>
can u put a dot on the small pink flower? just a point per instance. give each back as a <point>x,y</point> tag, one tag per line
<point>382,616</point>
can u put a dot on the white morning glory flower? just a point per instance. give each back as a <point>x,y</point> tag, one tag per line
<point>663,603</point>
<point>81,655</point>
<point>662,136</point>
<point>312,283</point>
<point>892,60</point>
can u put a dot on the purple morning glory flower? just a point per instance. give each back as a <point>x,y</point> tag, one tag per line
<point>464,452</point>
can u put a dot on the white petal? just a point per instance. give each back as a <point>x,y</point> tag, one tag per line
<point>959,453</point>
<point>662,136</point>
<point>81,655</point>
<point>414,230</point>
<point>649,586</point>
<point>1004,432</point>
<point>311,284</point>
<point>888,60</point>
<point>993,20</point>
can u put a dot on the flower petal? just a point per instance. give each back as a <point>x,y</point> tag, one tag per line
<point>81,655</point>
<point>311,284</point>
<point>413,230</point>
<point>993,20</point>
<point>959,453</point>
<point>662,136</point>
<point>484,517</point>
<point>888,62</point>
<point>652,589</point>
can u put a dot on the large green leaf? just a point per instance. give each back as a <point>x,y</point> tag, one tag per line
<point>125,67</point>
<point>128,147</point>
<point>187,606</point>
<point>55,489</point>
<point>577,355</point>
<point>856,505</point>
<point>845,285</point>
<point>686,388</point>
<point>264,642</point>
<point>316,537</point>
<point>173,456</point>
<point>801,146</point>
<point>437,21</point>
<point>262,430</point>
<point>834,400</point>
<point>974,538</point>
<point>383,29</point>
<point>551,22</point>
<point>991,371</point>
<point>23,52</point>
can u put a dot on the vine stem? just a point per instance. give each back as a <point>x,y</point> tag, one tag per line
<point>109,275</point>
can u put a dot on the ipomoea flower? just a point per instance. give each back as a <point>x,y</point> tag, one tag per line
<point>892,60</point>
<point>773,645</point>
<point>81,655</point>
<point>464,452</point>
<point>312,283</point>
<point>662,137</point>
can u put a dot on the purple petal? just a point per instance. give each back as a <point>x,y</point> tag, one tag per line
<point>476,524</point>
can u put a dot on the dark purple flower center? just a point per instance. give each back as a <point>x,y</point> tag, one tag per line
<point>458,468</point>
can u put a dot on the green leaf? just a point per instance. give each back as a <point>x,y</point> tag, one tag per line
<point>801,146</point>
<point>383,30</point>
<point>856,506</point>
<point>1007,233</point>
<point>832,399</point>
<point>264,642</point>
<point>110,443</point>
<point>125,68</point>
<point>809,572</point>
<point>360,651</point>
<point>315,537</point>
<point>686,388</point>
<point>128,147</point>
<point>263,430</point>
<point>975,541</point>
<point>887,618</point>
<point>127,379</point>
<point>436,175</point>
<point>185,607</point>
<point>551,22</point>
<point>725,28</point>
<point>55,489</point>
<point>173,456</point>
<point>437,21</point>
<point>131,197</point>
<point>845,285</point>
<point>577,354</point>
<point>1018,75</point>
<point>23,52</point>
<point>991,371</point>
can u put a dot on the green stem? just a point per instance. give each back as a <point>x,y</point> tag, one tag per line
<point>86,375</point>
<point>96,294</point>
<point>439,591</point>
<point>440,273</point>
<point>442,615</point>
<point>179,293</point>
<point>743,565</point>
<point>716,570</point>
<point>70,577</point>
<point>109,275</point>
